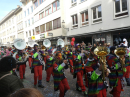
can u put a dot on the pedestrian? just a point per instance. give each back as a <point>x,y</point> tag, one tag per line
<point>27,92</point>
<point>9,83</point>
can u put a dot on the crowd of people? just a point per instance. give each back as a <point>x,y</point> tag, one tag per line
<point>84,64</point>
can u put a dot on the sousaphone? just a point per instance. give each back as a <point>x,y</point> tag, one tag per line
<point>31,43</point>
<point>60,42</point>
<point>19,44</point>
<point>47,43</point>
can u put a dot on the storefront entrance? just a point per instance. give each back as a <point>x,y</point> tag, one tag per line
<point>86,40</point>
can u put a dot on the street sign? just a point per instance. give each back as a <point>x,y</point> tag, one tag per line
<point>50,34</point>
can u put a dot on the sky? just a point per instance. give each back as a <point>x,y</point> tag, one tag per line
<point>6,6</point>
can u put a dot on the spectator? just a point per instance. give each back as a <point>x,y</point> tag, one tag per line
<point>9,83</point>
<point>27,92</point>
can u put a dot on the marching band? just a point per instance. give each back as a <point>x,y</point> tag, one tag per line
<point>94,65</point>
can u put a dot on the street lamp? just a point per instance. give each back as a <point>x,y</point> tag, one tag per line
<point>63,25</point>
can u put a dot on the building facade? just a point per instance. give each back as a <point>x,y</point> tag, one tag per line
<point>98,20</point>
<point>91,21</point>
<point>8,26</point>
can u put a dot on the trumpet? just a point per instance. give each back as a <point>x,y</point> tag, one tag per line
<point>121,53</point>
<point>101,52</point>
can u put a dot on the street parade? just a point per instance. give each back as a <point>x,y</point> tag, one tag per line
<point>96,68</point>
<point>64,48</point>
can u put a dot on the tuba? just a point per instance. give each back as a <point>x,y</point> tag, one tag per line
<point>47,44</point>
<point>121,51</point>
<point>20,45</point>
<point>101,52</point>
<point>60,42</point>
<point>31,43</point>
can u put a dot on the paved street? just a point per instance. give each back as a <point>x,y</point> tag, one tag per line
<point>48,91</point>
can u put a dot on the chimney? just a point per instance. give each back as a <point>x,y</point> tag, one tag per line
<point>18,6</point>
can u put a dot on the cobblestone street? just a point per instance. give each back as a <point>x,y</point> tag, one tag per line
<point>48,91</point>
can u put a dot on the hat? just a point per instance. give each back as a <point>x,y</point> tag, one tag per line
<point>7,64</point>
<point>112,48</point>
<point>49,51</point>
<point>59,48</point>
<point>124,39</point>
<point>35,45</point>
<point>78,47</point>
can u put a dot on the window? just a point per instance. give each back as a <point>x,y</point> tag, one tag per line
<point>28,11</point>
<point>97,14</point>
<point>57,23</point>
<point>25,24</point>
<point>32,8</point>
<point>41,15</point>
<point>32,21</point>
<point>84,17</point>
<point>74,21</point>
<point>25,13</point>
<point>36,4</point>
<point>33,32</point>
<point>56,5</point>
<point>29,22</point>
<point>29,33</point>
<point>48,11</point>
<point>26,34</point>
<point>40,1</point>
<point>37,30</point>
<point>121,8</point>
<point>49,26</point>
<point>42,28</point>
<point>73,2</point>
<point>82,0</point>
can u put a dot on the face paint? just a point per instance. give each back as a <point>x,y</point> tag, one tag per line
<point>59,56</point>
<point>35,47</point>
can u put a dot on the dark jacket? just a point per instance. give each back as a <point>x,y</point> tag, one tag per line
<point>9,84</point>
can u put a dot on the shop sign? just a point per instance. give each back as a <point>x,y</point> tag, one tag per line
<point>102,39</point>
<point>50,34</point>
<point>42,36</point>
<point>98,39</point>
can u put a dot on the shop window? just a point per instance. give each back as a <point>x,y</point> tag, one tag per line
<point>84,17</point>
<point>56,6</point>
<point>97,14</point>
<point>49,26</point>
<point>57,23</point>
<point>37,30</point>
<point>74,21</point>
<point>121,8</point>
<point>42,28</point>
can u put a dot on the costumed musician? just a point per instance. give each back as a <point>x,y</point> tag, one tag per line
<point>37,65</point>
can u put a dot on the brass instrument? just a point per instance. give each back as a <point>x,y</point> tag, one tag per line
<point>121,51</point>
<point>101,52</point>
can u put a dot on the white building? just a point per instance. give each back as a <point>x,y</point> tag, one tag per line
<point>28,19</point>
<point>90,20</point>
<point>8,27</point>
<point>47,19</point>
